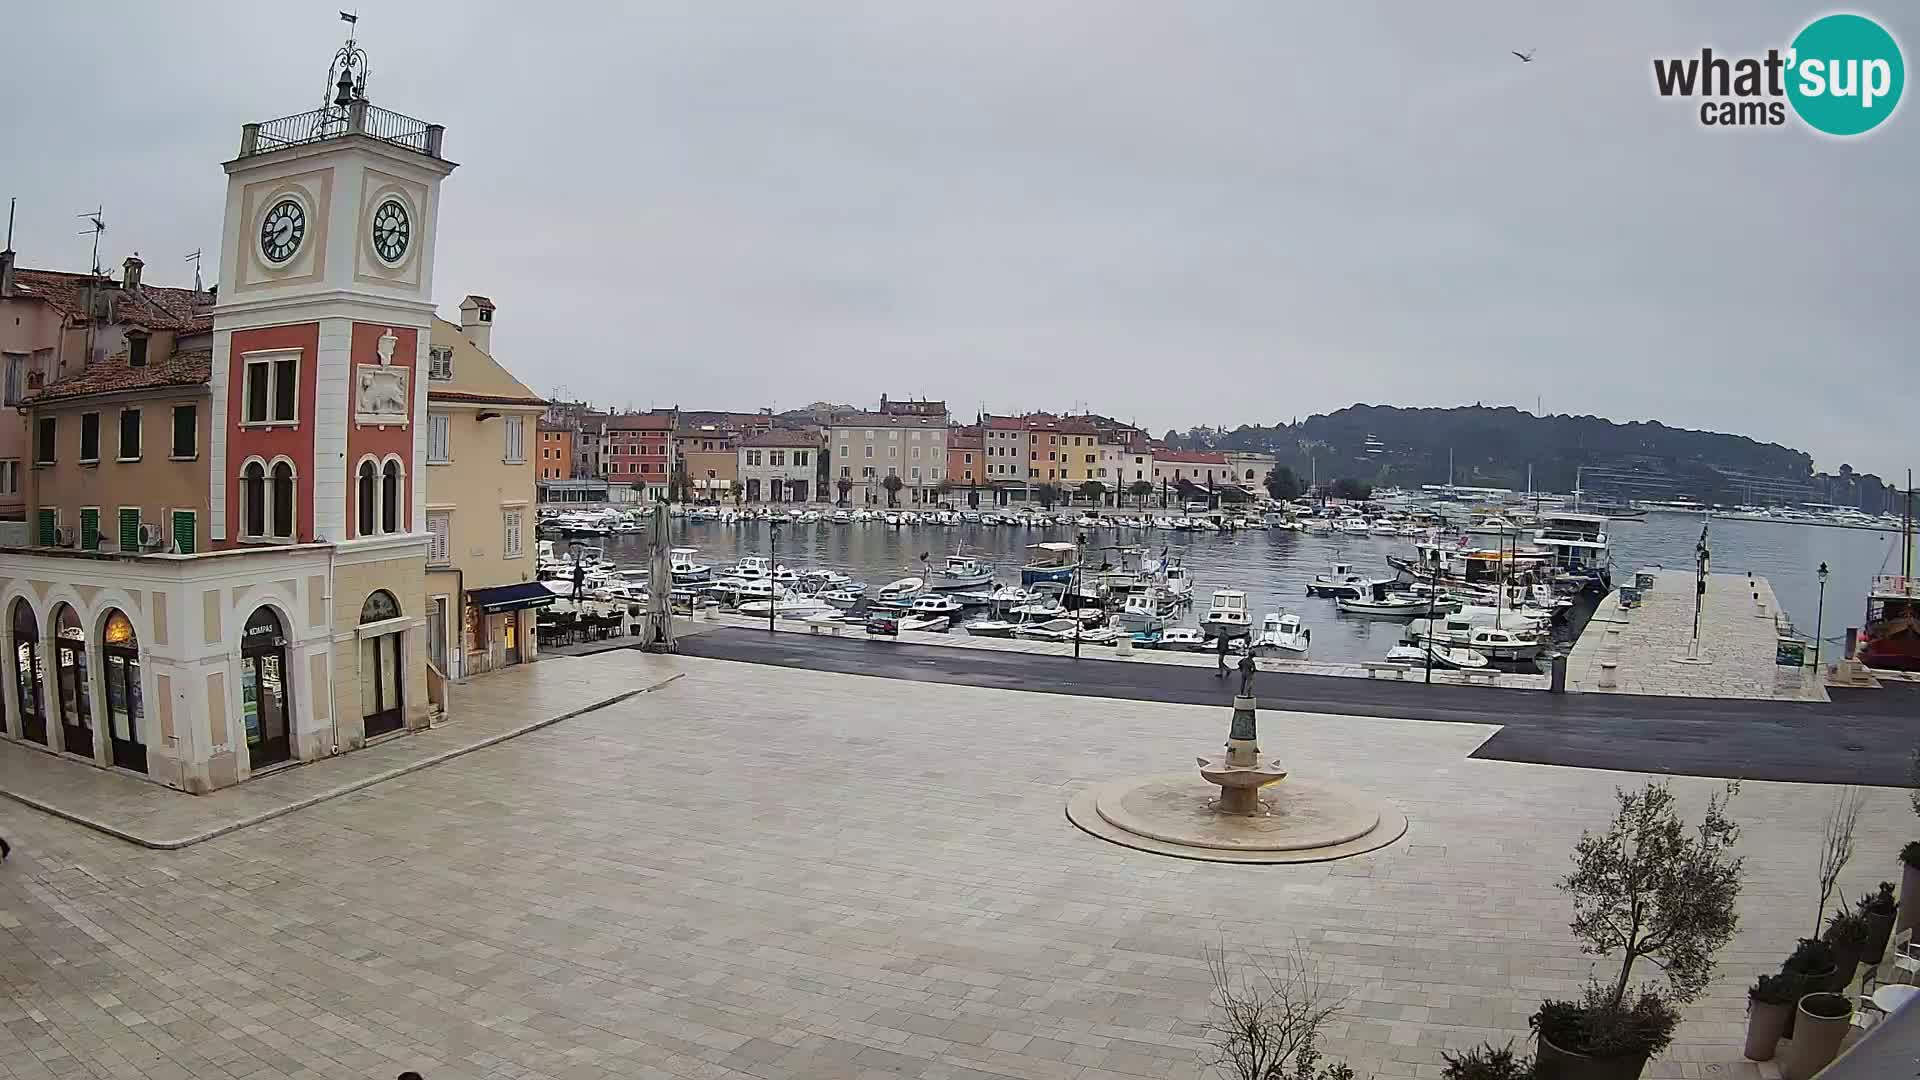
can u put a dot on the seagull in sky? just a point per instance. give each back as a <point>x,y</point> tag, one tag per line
<point>1525,57</point>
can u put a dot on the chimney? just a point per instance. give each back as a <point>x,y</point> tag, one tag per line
<point>476,321</point>
<point>130,277</point>
<point>6,272</point>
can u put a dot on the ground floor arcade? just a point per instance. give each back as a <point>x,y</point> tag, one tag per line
<point>197,671</point>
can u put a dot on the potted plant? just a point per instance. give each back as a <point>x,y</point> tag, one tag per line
<point>1770,1004</point>
<point>1879,908</point>
<point>1812,968</point>
<point>1847,932</point>
<point>1483,1062</point>
<point>1823,1022</point>
<point>1909,885</point>
<point>1648,886</point>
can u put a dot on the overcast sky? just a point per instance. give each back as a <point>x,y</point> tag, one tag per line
<point>1199,212</point>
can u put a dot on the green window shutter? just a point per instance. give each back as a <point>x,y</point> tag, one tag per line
<point>129,528</point>
<point>49,522</point>
<point>89,530</point>
<point>183,531</point>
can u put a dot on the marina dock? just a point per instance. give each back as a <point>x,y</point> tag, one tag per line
<point>1644,649</point>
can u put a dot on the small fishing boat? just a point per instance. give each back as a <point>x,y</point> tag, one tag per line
<point>935,604</point>
<point>681,562</point>
<point>1147,611</point>
<point>1182,639</point>
<point>842,599</point>
<point>1177,584</point>
<point>934,624</point>
<point>1048,629</point>
<point>960,572</point>
<point>1340,582</point>
<point>900,593</point>
<point>1490,641</point>
<point>1227,615</point>
<point>1384,604</point>
<point>1283,631</point>
<point>1461,659</point>
<point>1407,653</point>
<point>1053,560</point>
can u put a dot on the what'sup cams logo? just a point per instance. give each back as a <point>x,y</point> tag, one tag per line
<point>1842,75</point>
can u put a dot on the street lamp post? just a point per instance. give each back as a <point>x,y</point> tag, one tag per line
<point>1433,589</point>
<point>1819,618</point>
<point>1700,558</point>
<point>773,594</point>
<point>1079,578</point>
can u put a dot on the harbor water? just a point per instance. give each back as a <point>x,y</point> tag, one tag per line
<point>1274,567</point>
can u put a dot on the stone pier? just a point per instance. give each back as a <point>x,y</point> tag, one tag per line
<point>1644,650</point>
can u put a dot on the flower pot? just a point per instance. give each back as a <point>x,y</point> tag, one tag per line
<point>1555,1063</point>
<point>1880,929</point>
<point>1814,983</point>
<point>1817,1037</point>
<point>1846,960</point>
<point>1766,1026</point>
<point>1909,897</point>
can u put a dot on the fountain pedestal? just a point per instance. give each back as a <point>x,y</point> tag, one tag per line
<point>1244,770</point>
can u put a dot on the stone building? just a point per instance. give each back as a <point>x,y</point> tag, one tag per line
<point>779,466</point>
<point>289,626</point>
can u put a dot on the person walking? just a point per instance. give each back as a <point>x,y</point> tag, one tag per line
<point>579,579</point>
<point>1220,672</point>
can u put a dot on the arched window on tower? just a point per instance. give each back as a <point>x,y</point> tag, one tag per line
<point>390,498</point>
<point>366,497</point>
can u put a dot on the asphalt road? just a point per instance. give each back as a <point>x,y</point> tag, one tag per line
<point>1862,737</point>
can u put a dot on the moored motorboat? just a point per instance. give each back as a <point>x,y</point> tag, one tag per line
<point>1283,631</point>
<point>960,572</point>
<point>1182,639</point>
<point>900,593</point>
<point>1227,615</point>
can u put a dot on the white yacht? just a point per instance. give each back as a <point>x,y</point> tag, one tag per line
<point>935,604</point>
<point>1490,641</point>
<point>900,593</point>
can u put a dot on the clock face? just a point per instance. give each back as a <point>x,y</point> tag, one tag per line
<point>391,231</point>
<point>282,230</point>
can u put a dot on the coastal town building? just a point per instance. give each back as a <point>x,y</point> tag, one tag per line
<point>481,594</point>
<point>905,439</point>
<point>556,452</point>
<point>1175,469</point>
<point>637,449</point>
<point>54,325</point>
<point>268,605</point>
<point>779,466</point>
<point>966,461</point>
<point>709,457</point>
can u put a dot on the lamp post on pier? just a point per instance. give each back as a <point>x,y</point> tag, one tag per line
<point>1819,618</point>
<point>1701,557</point>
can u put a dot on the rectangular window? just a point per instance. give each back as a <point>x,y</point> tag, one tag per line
<point>916,474</point>
<point>916,451</point>
<point>843,451</point>
<point>800,456</point>
<point>49,525</point>
<point>968,457</point>
<point>89,437</point>
<point>438,434</point>
<point>776,457</point>
<point>89,528</point>
<point>272,390</point>
<point>186,431</point>
<point>129,434</point>
<point>439,363</point>
<point>869,452</point>
<point>10,476</point>
<point>753,457</point>
<point>16,376</point>
<point>183,531</point>
<point>129,528</point>
<point>512,548</point>
<point>891,471</point>
<point>136,350</point>
<point>516,440</point>
<point>439,527</point>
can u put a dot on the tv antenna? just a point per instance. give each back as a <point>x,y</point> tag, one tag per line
<point>96,225</point>
<point>194,258</point>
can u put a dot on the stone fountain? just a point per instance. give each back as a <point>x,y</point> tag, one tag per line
<point>1243,807</point>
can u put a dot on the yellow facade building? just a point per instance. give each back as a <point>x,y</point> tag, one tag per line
<point>482,591</point>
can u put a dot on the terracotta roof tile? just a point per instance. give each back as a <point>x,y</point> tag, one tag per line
<point>783,437</point>
<point>192,368</point>
<point>151,306</point>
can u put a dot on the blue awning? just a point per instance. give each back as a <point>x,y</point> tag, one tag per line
<point>525,594</point>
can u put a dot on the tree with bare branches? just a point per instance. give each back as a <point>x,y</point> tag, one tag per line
<point>1836,845</point>
<point>1267,1019</point>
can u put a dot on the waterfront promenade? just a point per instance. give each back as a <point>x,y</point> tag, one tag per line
<point>758,871</point>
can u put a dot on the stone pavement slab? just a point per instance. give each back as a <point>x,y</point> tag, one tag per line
<point>776,873</point>
<point>482,712</point>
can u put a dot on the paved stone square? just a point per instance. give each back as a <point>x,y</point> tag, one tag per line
<point>765,872</point>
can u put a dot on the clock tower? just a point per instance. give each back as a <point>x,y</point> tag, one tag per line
<point>326,286</point>
<point>318,432</point>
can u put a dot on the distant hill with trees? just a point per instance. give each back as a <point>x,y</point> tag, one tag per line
<point>1493,447</point>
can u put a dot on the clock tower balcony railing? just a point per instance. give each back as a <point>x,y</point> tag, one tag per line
<point>334,122</point>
